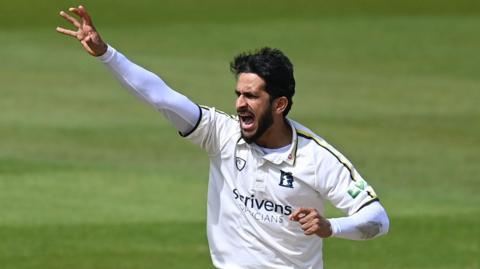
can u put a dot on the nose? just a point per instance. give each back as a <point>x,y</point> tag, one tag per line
<point>240,103</point>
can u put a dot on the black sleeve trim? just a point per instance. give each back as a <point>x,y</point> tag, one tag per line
<point>196,125</point>
<point>367,203</point>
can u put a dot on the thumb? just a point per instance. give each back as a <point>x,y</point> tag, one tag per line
<point>88,45</point>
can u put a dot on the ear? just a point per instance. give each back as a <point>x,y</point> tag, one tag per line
<point>280,104</point>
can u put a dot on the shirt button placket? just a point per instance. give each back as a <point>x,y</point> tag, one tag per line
<point>259,182</point>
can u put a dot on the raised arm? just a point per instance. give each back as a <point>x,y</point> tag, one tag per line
<point>178,109</point>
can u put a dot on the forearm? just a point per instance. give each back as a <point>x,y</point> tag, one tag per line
<point>177,108</point>
<point>371,221</point>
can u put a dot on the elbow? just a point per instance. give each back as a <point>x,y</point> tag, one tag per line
<point>375,228</point>
<point>370,230</point>
<point>386,225</point>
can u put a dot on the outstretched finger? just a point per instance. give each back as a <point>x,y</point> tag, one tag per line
<point>82,13</point>
<point>70,19</point>
<point>66,32</point>
<point>85,14</point>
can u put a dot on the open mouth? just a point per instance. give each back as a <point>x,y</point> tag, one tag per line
<point>247,120</point>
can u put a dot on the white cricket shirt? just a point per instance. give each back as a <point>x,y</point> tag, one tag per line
<point>251,194</point>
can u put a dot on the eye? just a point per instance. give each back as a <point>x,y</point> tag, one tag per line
<point>250,95</point>
<point>237,93</point>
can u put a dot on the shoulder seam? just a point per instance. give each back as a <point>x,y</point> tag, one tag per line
<point>219,111</point>
<point>328,148</point>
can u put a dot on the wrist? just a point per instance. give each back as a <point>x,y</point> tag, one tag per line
<point>334,227</point>
<point>107,56</point>
<point>325,229</point>
<point>102,50</point>
<point>329,228</point>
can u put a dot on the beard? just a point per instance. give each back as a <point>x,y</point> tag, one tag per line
<point>264,122</point>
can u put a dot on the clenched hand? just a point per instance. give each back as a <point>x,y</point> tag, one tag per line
<point>312,222</point>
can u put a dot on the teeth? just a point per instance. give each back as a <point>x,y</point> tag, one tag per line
<point>246,118</point>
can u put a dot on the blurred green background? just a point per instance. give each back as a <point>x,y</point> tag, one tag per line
<point>92,178</point>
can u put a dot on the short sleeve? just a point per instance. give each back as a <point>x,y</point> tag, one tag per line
<point>213,129</point>
<point>341,184</point>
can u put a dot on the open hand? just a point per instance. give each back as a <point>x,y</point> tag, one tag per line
<point>312,222</point>
<point>85,33</point>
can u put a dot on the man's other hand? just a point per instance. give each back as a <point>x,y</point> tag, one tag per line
<point>312,222</point>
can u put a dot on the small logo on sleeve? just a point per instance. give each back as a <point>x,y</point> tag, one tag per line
<point>356,187</point>
<point>286,179</point>
<point>240,163</point>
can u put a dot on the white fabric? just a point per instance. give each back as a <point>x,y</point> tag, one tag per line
<point>278,150</point>
<point>177,108</point>
<point>251,194</point>
<point>369,222</point>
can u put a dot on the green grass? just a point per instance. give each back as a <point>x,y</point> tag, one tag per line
<point>119,245</point>
<point>92,178</point>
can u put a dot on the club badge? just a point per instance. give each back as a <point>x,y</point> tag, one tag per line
<point>286,179</point>
<point>240,163</point>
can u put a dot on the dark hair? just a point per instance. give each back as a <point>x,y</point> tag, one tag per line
<point>273,67</point>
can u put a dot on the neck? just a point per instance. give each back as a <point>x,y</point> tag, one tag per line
<point>278,135</point>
